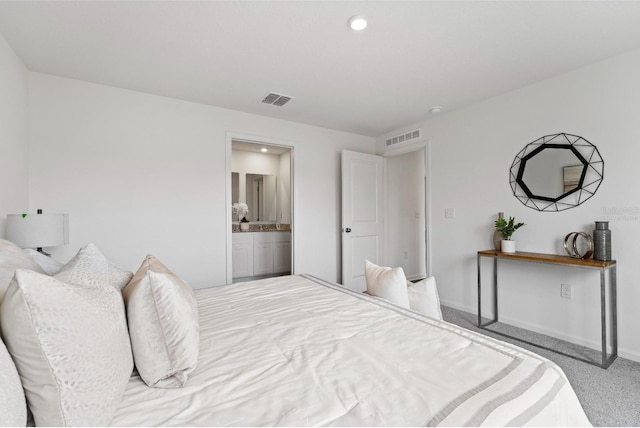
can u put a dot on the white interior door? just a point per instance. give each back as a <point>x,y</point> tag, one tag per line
<point>362,215</point>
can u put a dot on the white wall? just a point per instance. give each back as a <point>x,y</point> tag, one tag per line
<point>404,219</point>
<point>13,134</point>
<point>145,174</point>
<point>471,153</point>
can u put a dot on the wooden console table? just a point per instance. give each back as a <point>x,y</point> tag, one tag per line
<point>602,266</point>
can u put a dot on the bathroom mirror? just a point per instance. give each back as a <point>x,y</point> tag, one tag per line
<point>556,172</point>
<point>262,197</point>
<point>260,194</point>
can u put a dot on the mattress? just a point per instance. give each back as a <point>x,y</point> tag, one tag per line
<point>298,351</point>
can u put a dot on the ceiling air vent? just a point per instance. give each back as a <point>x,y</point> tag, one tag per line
<point>403,138</point>
<point>276,99</point>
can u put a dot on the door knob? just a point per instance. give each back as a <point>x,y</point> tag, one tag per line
<point>347,230</point>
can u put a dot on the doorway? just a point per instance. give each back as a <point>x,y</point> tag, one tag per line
<point>402,238</point>
<point>260,176</point>
<point>406,213</point>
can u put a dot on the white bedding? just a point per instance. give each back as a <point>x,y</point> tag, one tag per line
<point>292,351</point>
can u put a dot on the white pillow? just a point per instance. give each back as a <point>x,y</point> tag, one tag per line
<point>163,325</point>
<point>13,406</point>
<point>12,258</point>
<point>91,267</point>
<point>48,265</point>
<point>70,346</point>
<point>387,283</point>
<point>423,297</point>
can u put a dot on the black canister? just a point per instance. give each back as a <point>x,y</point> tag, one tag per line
<point>602,241</point>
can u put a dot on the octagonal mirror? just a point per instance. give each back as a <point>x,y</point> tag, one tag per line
<point>556,172</point>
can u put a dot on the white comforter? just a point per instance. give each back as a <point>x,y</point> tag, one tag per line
<point>292,351</point>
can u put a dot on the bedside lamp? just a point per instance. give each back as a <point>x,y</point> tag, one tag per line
<point>38,230</point>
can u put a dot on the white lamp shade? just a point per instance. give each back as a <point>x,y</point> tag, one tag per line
<point>38,230</point>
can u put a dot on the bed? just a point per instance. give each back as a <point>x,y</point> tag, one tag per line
<point>300,351</point>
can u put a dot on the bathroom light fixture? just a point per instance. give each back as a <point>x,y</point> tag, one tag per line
<point>357,23</point>
<point>435,109</point>
<point>264,150</point>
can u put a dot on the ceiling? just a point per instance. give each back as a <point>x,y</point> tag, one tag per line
<point>412,56</point>
<point>246,146</point>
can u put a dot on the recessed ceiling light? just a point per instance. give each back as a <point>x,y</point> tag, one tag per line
<point>357,23</point>
<point>435,109</point>
<point>264,150</point>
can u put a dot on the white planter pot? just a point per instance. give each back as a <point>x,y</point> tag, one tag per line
<point>508,246</point>
<point>244,226</point>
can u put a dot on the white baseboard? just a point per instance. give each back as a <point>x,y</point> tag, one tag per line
<point>630,355</point>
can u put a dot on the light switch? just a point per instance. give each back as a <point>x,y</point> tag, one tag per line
<point>449,213</point>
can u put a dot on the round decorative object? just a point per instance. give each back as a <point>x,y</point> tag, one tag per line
<point>556,172</point>
<point>244,226</point>
<point>572,247</point>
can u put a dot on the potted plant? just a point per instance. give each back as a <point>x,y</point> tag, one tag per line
<point>244,224</point>
<point>507,228</point>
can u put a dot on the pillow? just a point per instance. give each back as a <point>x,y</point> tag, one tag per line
<point>91,267</point>
<point>423,297</point>
<point>13,407</point>
<point>70,346</point>
<point>12,258</point>
<point>48,265</point>
<point>387,283</point>
<point>163,325</point>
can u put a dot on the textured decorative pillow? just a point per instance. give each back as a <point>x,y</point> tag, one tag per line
<point>46,263</point>
<point>13,406</point>
<point>163,325</point>
<point>387,283</point>
<point>12,258</point>
<point>71,347</point>
<point>423,297</point>
<point>91,267</point>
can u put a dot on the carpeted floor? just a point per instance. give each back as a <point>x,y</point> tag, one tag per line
<point>609,397</point>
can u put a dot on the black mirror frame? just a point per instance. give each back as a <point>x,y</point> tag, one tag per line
<point>585,152</point>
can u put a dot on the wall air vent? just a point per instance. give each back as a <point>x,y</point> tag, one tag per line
<point>276,99</point>
<point>403,138</point>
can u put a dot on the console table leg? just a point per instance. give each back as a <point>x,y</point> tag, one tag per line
<point>479,294</point>
<point>495,289</point>
<point>603,316</point>
<point>614,310</point>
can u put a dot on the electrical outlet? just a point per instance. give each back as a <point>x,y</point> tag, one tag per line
<point>406,255</point>
<point>565,291</point>
<point>449,213</point>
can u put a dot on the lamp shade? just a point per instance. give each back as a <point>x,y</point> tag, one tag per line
<point>38,230</point>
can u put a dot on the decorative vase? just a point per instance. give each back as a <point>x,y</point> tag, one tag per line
<point>602,241</point>
<point>497,235</point>
<point>508,246</point>
<point>244,226</point>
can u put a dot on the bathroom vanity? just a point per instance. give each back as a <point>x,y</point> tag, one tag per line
<point>265,250</point>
